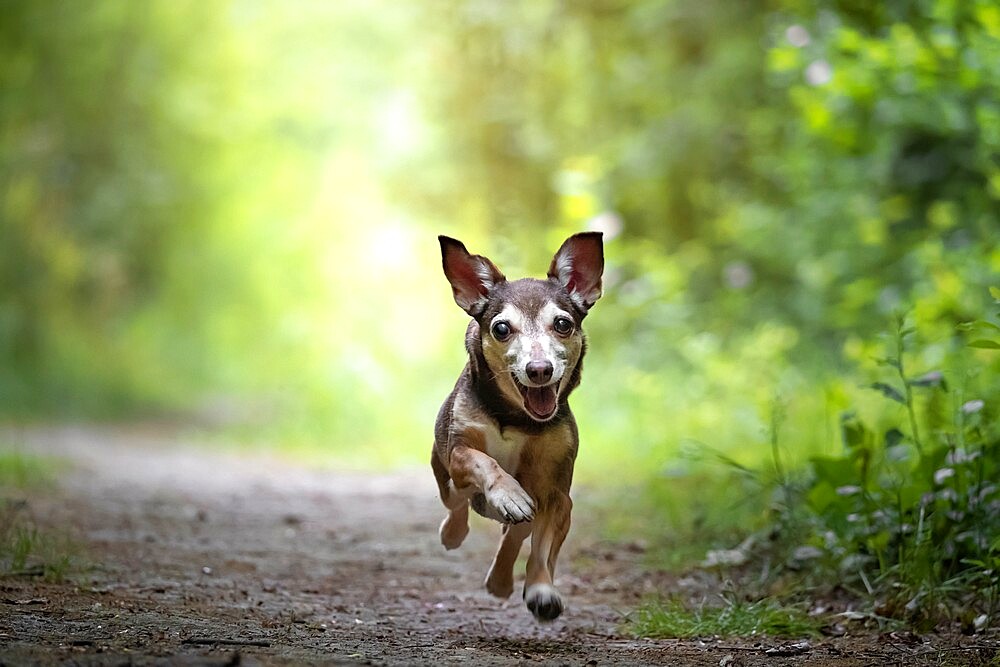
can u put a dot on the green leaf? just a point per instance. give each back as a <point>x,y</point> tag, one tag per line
<point>853,431</point>
<point>984,324</point>
<point>889,391</point>
<point>879,541</point>
<point>909,494</point>
<point>930,379</point>
<point>893,437</point>
<point>887,361</point>
<point>836,472</point>
<point>821,496</point>
<point>985,344</point>
<point>995,293</point>
<point>931,461</point>
<point>988,324</point>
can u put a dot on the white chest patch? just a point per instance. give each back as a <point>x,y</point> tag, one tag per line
<point>505,449</point>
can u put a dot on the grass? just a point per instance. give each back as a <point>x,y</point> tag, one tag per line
<point>671,618</point>
<point>19,470</point>
<point>24,549</point>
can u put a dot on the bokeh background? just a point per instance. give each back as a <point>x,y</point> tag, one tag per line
<point>223,214</point>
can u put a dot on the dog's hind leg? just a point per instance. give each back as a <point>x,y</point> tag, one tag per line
<point>455,526</point>
<point>500,579</point>
<point>549,530</point>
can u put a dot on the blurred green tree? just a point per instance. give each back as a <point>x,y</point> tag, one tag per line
<point>209,197</point>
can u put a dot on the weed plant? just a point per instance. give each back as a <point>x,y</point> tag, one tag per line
<point>731,617</point>
<point>910,515</point>
<point>903,522</point>
<point>906,516</point>
<point>24,549</point>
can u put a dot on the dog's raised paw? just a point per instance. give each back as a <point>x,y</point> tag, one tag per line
<point>544,602</point>
<point>511,503</point>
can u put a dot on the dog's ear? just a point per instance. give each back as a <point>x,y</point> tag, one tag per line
<point>578,266</point>
<point>471,276</point>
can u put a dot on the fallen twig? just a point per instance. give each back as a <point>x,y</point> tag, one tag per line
<point>208,641</point>
<point>29,572</point>
<point>936,651</point>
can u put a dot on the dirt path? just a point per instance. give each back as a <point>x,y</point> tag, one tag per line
<point>315,567</point>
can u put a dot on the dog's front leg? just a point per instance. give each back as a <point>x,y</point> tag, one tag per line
<point>473,470</point>
<point>547,535</point>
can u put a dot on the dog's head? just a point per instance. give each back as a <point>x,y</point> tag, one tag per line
<point>529,331</point>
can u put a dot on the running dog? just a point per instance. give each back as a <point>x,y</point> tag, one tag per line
<point>505,439</point>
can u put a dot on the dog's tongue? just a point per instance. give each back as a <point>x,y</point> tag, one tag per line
<point>541,400</point>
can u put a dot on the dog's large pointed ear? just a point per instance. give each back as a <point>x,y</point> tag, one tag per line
<point>471,276</point>
<point>578,266</point>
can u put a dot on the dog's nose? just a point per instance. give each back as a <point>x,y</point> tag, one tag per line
<point>539,372</point>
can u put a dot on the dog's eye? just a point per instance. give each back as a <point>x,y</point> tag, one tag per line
<point>501,331</point>
<point>563,326</point>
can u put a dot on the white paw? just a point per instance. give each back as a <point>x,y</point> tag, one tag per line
<point>510,502</point>
<point>543,601</point>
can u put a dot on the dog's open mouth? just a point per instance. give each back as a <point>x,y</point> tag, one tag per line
<point>540,402</point>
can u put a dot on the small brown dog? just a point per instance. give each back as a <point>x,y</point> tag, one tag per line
<point>505,439</point>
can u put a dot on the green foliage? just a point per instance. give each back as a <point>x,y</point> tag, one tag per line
<point>26,551</point>
<point>907,514</point>
<point>237,222</point>
<point>673,618</point>
<point>193,220</point>
<point>916,523</point>
<point>819,182</point>
<point>19,470</point>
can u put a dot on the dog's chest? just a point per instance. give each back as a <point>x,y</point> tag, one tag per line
<point>506,448</point>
